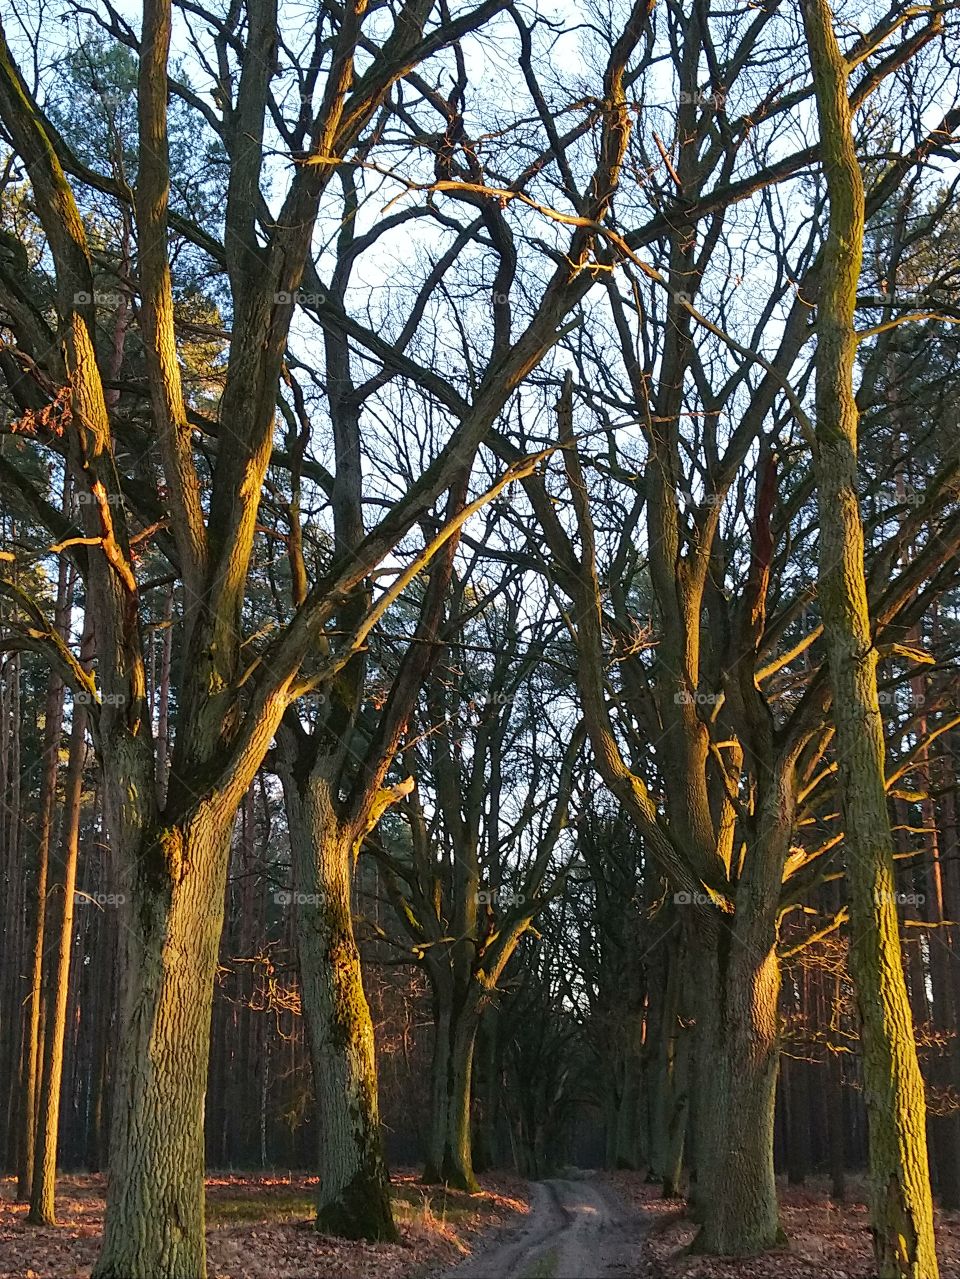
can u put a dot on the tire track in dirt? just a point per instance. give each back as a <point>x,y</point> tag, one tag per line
<point>577,1229</point>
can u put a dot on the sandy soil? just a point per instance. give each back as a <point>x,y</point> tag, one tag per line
<point>577,1229</point>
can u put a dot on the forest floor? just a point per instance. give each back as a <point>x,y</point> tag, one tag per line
<point>260,1228</point>
<point>826,1240</point>
<point>600,1226</point>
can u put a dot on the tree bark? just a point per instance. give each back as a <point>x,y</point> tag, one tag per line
<point>673,1078</point>
<point>737,1095</point>
<point>53,724</point>
<point>738,1077</point>
<point>43,1191</point>
<point>354,1199</point>
<point>171,934</point>
<point>901,1209</point>
<point>456,1156</point>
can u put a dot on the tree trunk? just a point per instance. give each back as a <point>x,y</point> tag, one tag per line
<point>486,1153</point>
<point>738,1079</point>
<point>354,1198</point>
<point>739,1195</point>
<point>673,1079</point>
<point>677,1118</point>
<point>43,1191</point>
<point>171,932</point>
<point>53,715</point>
<point>450,1159</point>
<point>457,1168</point>
<point>627,1152</point>
<point>900,1202</point>
<point>433,1170</point>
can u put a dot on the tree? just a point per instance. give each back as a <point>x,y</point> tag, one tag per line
<point>901,1207</point>
<point>465,882</point>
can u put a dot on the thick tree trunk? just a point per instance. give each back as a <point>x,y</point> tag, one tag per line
<point>486,1152</point>
<point>433,1169</point>
<point>738,1187</point>
<point>171,932</point>
<point>354,1198</point>
<point>900,1202</point>
<point>450,1159</point>
<point>738,1079</point>
<point>457,1166</point>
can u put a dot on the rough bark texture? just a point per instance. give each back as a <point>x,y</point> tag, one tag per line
<point>740,1204</point>
<point>900,1201</point>
<point>155,1227</point>
<point>739,1194</point>
<point>353,1199</point>
<point>451,1147</point>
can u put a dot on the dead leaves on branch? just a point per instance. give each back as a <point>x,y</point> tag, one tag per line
<point>52,419</point>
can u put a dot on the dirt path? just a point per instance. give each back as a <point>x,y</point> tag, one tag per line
<point>576,1230</point>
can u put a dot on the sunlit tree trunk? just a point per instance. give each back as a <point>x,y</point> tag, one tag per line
<point>737,1182</point>
<point>170,942</point>
<point>901,1210</point>
<point>42,1196</point>
<point>53,723</point>
<point>741,1215</point>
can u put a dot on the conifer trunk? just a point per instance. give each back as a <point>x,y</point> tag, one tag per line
<point>43,1190</point>
<point>53,716</point>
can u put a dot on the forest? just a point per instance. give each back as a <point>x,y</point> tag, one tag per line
<point>479,633</point>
